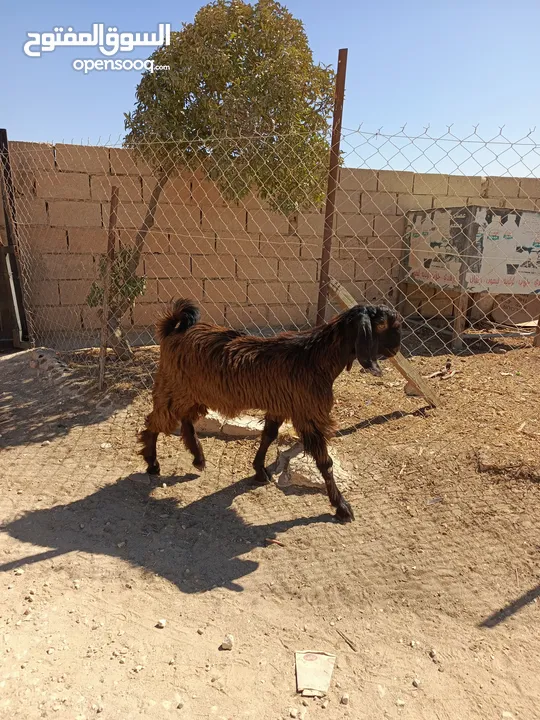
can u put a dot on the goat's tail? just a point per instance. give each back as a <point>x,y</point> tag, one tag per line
<point>181,315</point>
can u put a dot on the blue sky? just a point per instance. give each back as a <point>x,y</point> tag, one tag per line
<point>415,62</point>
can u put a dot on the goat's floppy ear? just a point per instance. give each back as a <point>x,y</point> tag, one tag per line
<point>367,346</point>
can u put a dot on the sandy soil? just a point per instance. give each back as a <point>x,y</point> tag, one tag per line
<point>436,583</point>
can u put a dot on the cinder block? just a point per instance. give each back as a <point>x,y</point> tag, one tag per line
<point>430,184</point>
<point>126,162</point>
<point>292,317</point>
<point>24,182</point>
<point>460,185</point>
<point>280,246</point>
<point>74,292</point>
<point>45,239</point>
<point>159,265</point>
<point>213,313</point>
<point>505,187</point>
<point>302,293</point>
<point>267,223</point>
<point>380,292</point>
<point>406,203</point>
<point>180,288</point>
<point>213,266</point>
<point>63,186</point>
<point>350,225</point>
<point>245,246</point>
<point>206,193</point>
<point>180,220</point>
<point>358,179</point>
<point>246,317</point>
<point>31,156</point>
<point>86,240</point>
<point>266,293</point>
<point>252,201</point>
<point>347,201</point>
<point>311,248</point>
<point>175,192</point>
<point>65,213</point>
<point>225,291</point>
<point>146,314</point>
<point>31,211</point>
<point>197,242</point>
<point>348,248</point>
<point>385,244</point>
<point>389,225</point>
<point>395,181</point>
<point>45,293</point>
<point>225,222</point>
<point>529,188</point>
<point>521,204</point>
<point>310,224</point>
<point>298,270</point>
<point>57,319</point>
<point>90,318</point>
<point>129,215</point>
<point>154,242</point>
<point>380,203</point>
<point>129,188</point>
<point>261,268</point>
<point>450,201</point>
<point>342,270</point>
<point>67,267</point>
<point>82,158</point>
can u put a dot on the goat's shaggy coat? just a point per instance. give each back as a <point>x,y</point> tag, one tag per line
<point>289,376</point>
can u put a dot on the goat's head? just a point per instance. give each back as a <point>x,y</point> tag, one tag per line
<point>378,336</point>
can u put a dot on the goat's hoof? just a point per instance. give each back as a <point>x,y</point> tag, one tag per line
<point>344,512</point>
<point>199,465</point>
<point>153,469</point>
<point>261,477</point>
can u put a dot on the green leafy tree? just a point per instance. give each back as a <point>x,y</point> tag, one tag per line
<point>243,102</point>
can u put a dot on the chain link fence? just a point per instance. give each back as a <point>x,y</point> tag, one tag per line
<point>444,228</point>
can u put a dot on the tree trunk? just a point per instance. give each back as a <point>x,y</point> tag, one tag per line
<point>116,339</point>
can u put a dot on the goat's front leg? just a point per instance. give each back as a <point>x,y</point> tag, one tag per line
<point>148,439</point>
<point>315,444</point>
<point>269,434</point>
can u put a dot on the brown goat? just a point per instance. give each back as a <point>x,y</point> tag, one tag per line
<point>289,376</point>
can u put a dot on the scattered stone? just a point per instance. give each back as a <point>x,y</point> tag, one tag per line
<point>200,630</point>
<point>50,651</point>
<point>293,467</point>
<point>161,623</point>
<point>416,683</point>
<point>400,702</point>
<point>180,705</point>
<point>45,443</point>
<point>227,643</point>
<point>138,668</point>
<point>324,704</point>
<point>345,699</point>
<point>305,702</point>
<point>19,571</point>
<point>293,712</point>
<point>433,655</point>
<point>105,446</point>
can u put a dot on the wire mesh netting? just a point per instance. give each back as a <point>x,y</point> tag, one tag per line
<point>444,228</point>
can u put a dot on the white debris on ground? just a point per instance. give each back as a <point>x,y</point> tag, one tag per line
<point>294,467</point>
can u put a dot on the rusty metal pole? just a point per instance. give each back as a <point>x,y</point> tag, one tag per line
<point>107,284</point>
<point>332,186</point>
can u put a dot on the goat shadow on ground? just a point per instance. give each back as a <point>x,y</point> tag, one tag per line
<point>197,547</point>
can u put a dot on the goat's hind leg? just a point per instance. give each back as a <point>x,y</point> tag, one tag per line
<point>269,434</point>
<point>189,436</point>
<point>315,444</point>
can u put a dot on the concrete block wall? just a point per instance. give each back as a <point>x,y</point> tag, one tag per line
<point>246,266</point>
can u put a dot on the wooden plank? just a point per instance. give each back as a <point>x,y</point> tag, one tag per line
<point>401,363</point>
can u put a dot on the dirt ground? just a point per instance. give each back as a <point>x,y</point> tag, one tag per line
<point>436,583</point>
